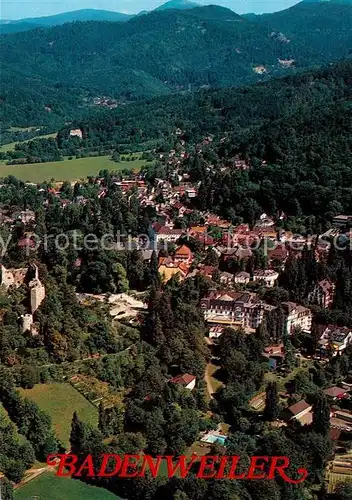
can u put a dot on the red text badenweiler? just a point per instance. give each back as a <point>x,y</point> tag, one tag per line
<point>205,467</point>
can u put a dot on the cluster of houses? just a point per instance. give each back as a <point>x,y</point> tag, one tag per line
<point>233,301</point>
<point>302,411</point>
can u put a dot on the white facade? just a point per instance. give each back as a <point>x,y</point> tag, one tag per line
<point>269,276</point>
<point>297,317</point>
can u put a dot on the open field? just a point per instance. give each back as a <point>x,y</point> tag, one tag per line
<point>67,170</point>
<point>50,487</point>
<point>60,401</point>
<point>11,145</point>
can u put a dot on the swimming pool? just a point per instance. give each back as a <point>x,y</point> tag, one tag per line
<point>212,438</point>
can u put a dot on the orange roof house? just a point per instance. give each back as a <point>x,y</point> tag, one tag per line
<point>167,271</point>
<point>183,254</point>
<point>197,229</point>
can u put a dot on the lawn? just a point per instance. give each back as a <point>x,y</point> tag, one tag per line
<point>60,401</point>
<point>11,145</point>
<point>50,487</point>
<point>214,381</point>
<point>66,170</point>
<point>4,415</point>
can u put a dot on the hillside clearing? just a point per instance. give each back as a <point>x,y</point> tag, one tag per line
<point>67,170</point>
<point>60,400</point>
<point>11,145</point>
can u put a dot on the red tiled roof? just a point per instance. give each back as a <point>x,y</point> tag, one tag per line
<point>26,242</point>
<point>279,253</point>
<point>183,379</point>
<point>183,250</point>
<point>168,230</point>
<point>335,392</point>
<point>184,267</point>
<point>299,407</point>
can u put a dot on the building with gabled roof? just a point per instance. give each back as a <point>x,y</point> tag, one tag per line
<point>333,339</point>
<point>183,254</point>
<point>186,380</point>
<point>297,316</point>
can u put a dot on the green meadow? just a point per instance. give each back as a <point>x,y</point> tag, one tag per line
<point>11,145</point>
<point>47,486</point>
<point>60,400</point>
<point>67,170</point>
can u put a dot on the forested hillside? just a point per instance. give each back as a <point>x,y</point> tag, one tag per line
<point>251,114</point>
<point>44,71</point>
<point>295,132</point>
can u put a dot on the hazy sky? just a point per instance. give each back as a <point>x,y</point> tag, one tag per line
<point>18,9</point>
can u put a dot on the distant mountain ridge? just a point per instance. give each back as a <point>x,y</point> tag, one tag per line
<point>13,26</point>
<point>177,4</point>
<point>64,68</point>
<point>334,2</point>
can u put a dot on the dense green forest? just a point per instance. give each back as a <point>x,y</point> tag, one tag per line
<point>159,53</point>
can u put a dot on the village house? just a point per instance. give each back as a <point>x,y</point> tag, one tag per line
<point>342,220</point>
<point>265,221</point>
<point>183,254</point>
<point>191,192</point>
<point>167,234</point>
<point>206,271</point>
<point>322,294</point>
<point>77,132</point>
<point>344,415</point>
<point>336,393</point>
<point>321,250</point>
<point>269,276</point>
<point>333,339</point>
<point>301,411</point>
<point>215,331</point>
<point>204,239</point>
<point>278,256</point>
<point>237,254</point>
<point>128,184</point>
<point>186,380</point>
<point>168,268</point>
<point>226,278</point>
<point>242,278</point>
<point>340,421</point>
<point>275,355</point>
<point>240,164</point>
<point>297,316</point>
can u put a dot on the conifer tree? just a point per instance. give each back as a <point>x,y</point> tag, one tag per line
<point>321,414</point>
<point>272,408</point>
